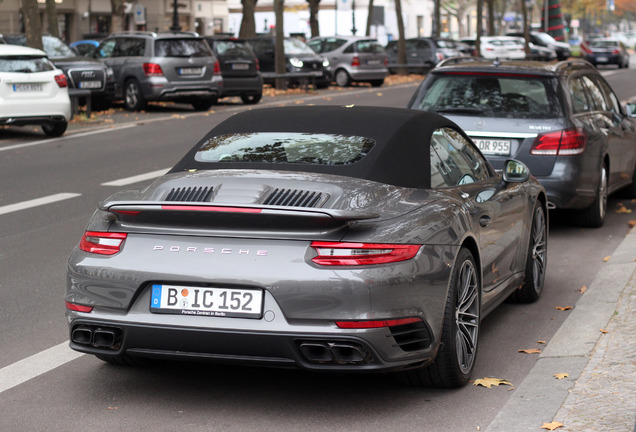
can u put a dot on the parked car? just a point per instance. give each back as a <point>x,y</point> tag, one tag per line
<point>239,68</point>
<point>334,239</point>
<point>562,49</point>
<point>561,119</point>
<point>605,51</point>
<point>32,90</point>
<point>352,59</point>
<point>151,66</point>
<point>299,58</point>
<point>82,73</point>
<point>85,47</point>
<point>537,52</point>
<point>424,53</point>
<point>502,47</point>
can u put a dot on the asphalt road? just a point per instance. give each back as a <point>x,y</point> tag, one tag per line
<point>82,393</point>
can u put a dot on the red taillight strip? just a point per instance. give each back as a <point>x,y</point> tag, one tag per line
<point>376,323</point>
<point>212,209</point>
<point>61,80</point>
<point>565,142</point>
<point>355,254</point>
<point>78,308</point>
<point>102,243</point>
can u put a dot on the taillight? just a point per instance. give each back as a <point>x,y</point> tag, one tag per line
<point>217,68</point>
<point>616,51</point>
<point>61,80</point>
<point>376,323</point>
<point>356,61</point>
<point>585,49</point>
<point>103,243</point>
<point>386,61</point>
<point>78,308</point>
<point>565,142</point>
<point>354,254</point>
<point>258,65</point>
<point>439,56</point>
<point>152,69</point>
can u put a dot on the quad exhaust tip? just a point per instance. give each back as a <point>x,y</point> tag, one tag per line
<point>339,353</point>
<point>97,337</point>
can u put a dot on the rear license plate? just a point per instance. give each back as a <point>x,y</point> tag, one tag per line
<point>602,59</point>
<point>240,66</point>
<point>373,62</point>
<point>206,301</point>
<point>493,147</point>
<point>190,71</point>
<point>90,84</point>
<point>27,87</point>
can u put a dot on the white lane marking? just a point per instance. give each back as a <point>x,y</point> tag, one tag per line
<point>136,179</point>
<point>36,365</point>
<point>77,135</point>
<point>37,202</point>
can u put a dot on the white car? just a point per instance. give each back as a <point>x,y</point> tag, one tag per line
<point>32,90</point>
<point>502,47</point>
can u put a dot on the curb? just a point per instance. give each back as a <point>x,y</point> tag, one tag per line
<point>579,348</point>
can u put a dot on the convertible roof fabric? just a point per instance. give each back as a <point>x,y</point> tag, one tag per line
<point>400,157</point>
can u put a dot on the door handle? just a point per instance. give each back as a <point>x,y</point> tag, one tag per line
<point>484,221</point>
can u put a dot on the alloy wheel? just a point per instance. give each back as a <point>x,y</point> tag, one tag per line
<point>467,316</point>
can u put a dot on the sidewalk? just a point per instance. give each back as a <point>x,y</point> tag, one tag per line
<point>600,393</point>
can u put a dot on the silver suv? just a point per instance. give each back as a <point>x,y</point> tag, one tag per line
<point>153,66</point>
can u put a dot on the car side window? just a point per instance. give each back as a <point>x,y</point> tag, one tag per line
<point>315,45</point>
<point>579,100</point>
<point>439,174</point>
<point>132,47</point>
<point>595,93</point>
<point>106,49</point>
<point>612,99</point>
<point>461,162</point>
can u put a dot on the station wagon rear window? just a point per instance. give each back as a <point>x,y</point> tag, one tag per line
<point>25,64</point>
<point>285,147</point>
<point>182,48</point>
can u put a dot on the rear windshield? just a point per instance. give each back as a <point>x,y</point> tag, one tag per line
<point>369,46</point>
<point>491,95</point>
<point>182,48</point>
<point>285,147</point>
<point>233,49</point>
<point>25,64</point>
<point>604,44</point>
<point>52,46</point>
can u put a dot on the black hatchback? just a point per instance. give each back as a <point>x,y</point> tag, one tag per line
<point>562,120</point>
<point>239,67</point>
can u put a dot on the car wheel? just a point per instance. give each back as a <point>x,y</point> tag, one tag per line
<point>460,332</point>
<point>376,83</point>
<point>204,104</point>
<point>251,99</point>
<point>594,215</point>
<point>342,78</point>
<point>536,260</point>
<point>55,129</point>
<point>133,97</point>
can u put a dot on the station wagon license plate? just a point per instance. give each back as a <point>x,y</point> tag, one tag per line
<point>90,84</point>
<point>240,66</point>
<point>373,62</point>
<point>602,59</point>
<point>493,147</point>
<point>206,301</point>
<point>190,71</point>
<point>27,87</point>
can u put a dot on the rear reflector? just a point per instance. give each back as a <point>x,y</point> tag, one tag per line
<point>565,142</point>
<point>102,243</point>
<point>78,308</point>
<point>376,323</point>
<point>354,254</point>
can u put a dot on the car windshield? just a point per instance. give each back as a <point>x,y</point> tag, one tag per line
<point>492,95</point>
<point>295,46</point>
<point>25,64</point>
<point>182,48</point>
<point>603,44</point>
<point>545,38</point>
<point>286,147</point>
<point>233,48</point>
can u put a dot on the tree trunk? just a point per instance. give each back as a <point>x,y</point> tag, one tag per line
<point>491,17</point>
<point>480,25</point>
<point>117,11</point>
<point>281,83</point>
<point>437,22</point>
<point>401,40</point>
<point>32,25</point>
<point>314,7</point>
<point>51,17</point>
<point>248,25</point>
<point>526,31</point>
<point>369,18</point>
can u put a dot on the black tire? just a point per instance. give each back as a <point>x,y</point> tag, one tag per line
<point>342,78</point>
<point>460,332</point>
<point>376,83</point>
<point>203,104</point>
<point>251,99</point>
<point>536,261</point>
<point>55,129</point>
<point>133,96</point>
<point>594,215</point>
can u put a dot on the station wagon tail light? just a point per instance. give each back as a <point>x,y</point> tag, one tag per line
<point>355,254</point>
<point>355,62</point>
<point>565,142</point>
<point>376,323</point>
<point>61,81</point>
<point>102,243</point>
<point>78,308</point>
<point>152,69</point>
<point>217,68</point>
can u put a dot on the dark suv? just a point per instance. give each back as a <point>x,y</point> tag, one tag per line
<point>562,120</point>
<point>82,73</point>
<point>149,66</point>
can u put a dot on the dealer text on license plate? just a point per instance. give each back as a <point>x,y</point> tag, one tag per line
<point>190,71</point>
<point>27,87</point>
<point>206,301</point>
<point>493,147</point>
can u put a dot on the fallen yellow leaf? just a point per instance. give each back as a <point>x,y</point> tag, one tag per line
<point>582,289</point>
<point>623,209</point>
<point>607,258</point>
<point>541,341</point>
<point>349,106</point>
<point>632,223</point>
<point>563,308</point>
<point>379,94</point>
<point>560,376</point>
<point>489,382</point>
<point>603,331</point>
<point>552,426</point>
<point>531,351</point>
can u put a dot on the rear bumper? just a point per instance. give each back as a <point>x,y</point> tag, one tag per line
<point>159,88</point>
<point>568,187</point>
<point>237,86</point>
<point>364,75</point>
<point>32,120</point>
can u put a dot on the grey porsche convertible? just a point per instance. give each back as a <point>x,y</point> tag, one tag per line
<point>321,237</point>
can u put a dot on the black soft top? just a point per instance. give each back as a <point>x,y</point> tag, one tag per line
<point>400,157</point>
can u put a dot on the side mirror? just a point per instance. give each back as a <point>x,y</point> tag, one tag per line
<point>515,172</point>
<point>630,108</point>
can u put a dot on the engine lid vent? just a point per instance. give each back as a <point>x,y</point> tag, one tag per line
<point>293,198</point>
<point>190,194</point>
